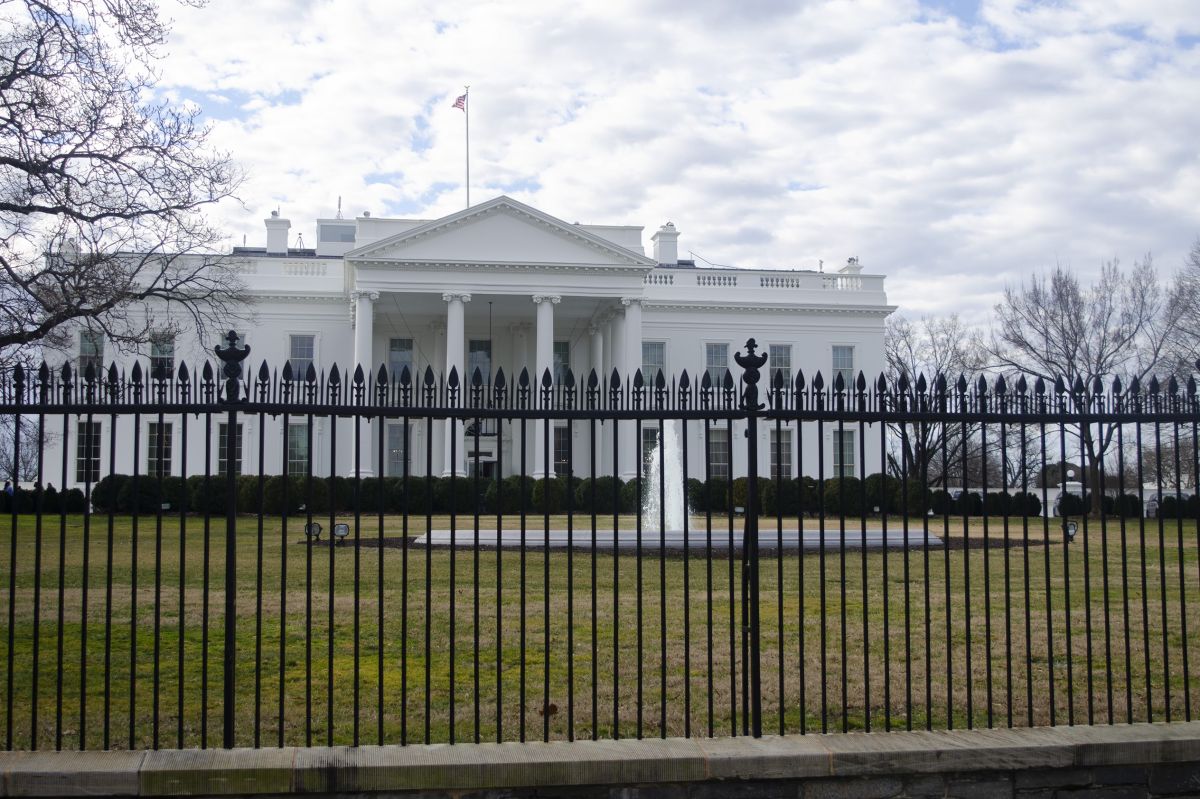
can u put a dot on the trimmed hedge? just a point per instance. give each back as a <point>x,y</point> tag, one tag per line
<point>801,495</point>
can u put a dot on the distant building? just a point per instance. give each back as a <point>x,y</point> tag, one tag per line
<point>504,285</point>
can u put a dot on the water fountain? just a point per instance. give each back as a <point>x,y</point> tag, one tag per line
<point>666,458</point>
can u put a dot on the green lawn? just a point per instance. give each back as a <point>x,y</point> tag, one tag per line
<point>1139,660</point>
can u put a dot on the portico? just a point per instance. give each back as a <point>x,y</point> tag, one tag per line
<point>438,295</point>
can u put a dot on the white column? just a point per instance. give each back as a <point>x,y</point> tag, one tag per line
<point>456,345</point>
<point>595,330</point>
<point>520,360</point>
<point>597,353</point>
<point>438,433</point>
<point>606,365</point>
<point>364,330</point>
<point>544,360</point>
<point>617,326</point>
<point>632,342</point>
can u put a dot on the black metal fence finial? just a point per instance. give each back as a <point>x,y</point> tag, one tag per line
<point>231,356</point>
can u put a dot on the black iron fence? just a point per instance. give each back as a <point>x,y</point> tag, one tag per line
<point>901,555</point>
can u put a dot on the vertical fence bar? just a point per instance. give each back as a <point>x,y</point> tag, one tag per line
<point>232,356</point>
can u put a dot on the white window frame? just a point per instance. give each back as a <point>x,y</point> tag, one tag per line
<point>648,374</point>
<point>298,374</point>
<point>157,341</point>
<point>97,358</point>
<point>727,466</point>
<point>716,381</point>
<point>93,452</point>
<point>303,427</point>
<point>405,462</point>
<point>772,367</point>
<point>782,464</point>
<point>559,368</point>
<point>560,432</point>
<point>241,446</point>
<point>486,374</point>
<point>394,373</point>
<point>847,374</point>
<point>840,467</point>
<point>152,449</point>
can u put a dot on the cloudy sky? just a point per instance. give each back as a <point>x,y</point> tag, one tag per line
<point>953,145</point>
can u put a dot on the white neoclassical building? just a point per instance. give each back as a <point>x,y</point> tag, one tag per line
<point>504,285</point>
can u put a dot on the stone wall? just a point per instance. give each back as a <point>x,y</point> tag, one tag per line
<point>1139,760</point>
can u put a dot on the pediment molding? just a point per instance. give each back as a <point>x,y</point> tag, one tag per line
<point>608,254</point>
<point>492,266</point>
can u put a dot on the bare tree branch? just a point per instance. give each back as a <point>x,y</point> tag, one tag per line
<point>102,194</point>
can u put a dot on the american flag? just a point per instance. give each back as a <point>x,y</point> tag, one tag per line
<point>461,102</point>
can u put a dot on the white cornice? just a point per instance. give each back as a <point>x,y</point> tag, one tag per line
<point>511,207</point>
<point>339,297</point>
<point>868,310</point>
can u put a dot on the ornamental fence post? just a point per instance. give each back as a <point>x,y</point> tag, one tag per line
<point>231,356</point>
<point>751,363</point>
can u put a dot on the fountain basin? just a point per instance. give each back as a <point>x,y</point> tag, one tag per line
<point>693,540</point>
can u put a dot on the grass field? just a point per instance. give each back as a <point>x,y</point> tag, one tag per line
<point>916,637</point>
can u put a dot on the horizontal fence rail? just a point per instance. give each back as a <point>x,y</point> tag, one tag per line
<point>791,557</point>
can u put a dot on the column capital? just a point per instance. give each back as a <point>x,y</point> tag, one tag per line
<point>554,299</point>
<point>438,325</point>
<point>449,296</point>
<point>364,295</point>
<point>519,328</point>
<point>594,329</point>
<point>627,301</point>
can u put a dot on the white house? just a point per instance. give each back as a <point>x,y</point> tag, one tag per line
<point>503,285</point>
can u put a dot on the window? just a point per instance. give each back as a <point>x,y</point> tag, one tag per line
<point>779,361</point>
<point>302,350</point>
<point>223,449</point>
<point>479,356</point>
<point>158,450</point>
<point>843,453</point>
<point>336,233</point>
<point>87,452</point>
<point>562,450</point>
<point>397,454</point>
<point>716,361</point>
<point>162,356</point>
<point>718,453</point>
<point>562,361</point>
<point>781,454</point>
<point>654,360</point>
<point>649,448</point>
<point>91,351</point>
<point>400,355</point>
<point>297,449</point>
<point>843,364</point>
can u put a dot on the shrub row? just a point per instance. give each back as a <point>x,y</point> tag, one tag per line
<point>53,501</point>
<point>274,495</point>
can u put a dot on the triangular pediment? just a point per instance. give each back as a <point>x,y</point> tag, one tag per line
<point>500,231</point>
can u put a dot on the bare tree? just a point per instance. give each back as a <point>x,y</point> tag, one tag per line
<point>1185,340</point>
<point>101,194</point>
<point>1053,326</point>
<point>928,348</point>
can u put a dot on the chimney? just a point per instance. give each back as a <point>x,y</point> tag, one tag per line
<point>277,234</point>
<point>666,244</point>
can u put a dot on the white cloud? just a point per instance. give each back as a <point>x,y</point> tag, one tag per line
<point>952,153</point>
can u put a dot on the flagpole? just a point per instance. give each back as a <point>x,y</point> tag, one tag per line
<point>467,112</point>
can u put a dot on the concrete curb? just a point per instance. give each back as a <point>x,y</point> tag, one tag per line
<point>245,772</point>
